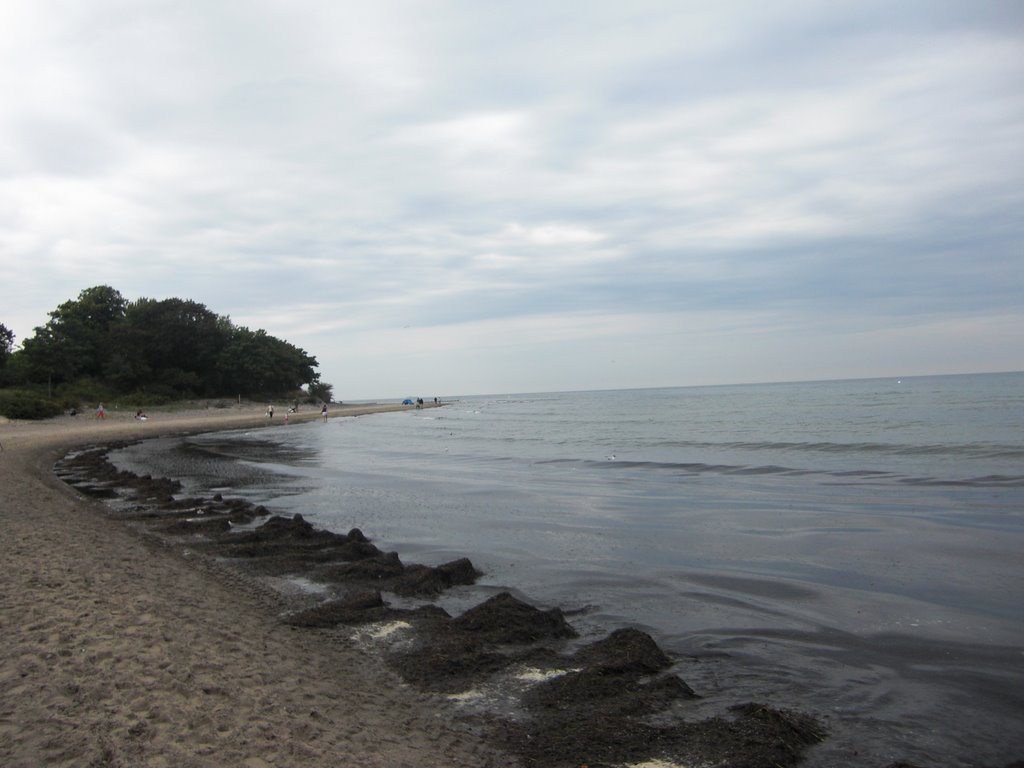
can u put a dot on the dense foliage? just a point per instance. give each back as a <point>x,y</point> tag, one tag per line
<point>6,344</point>
<point>101,345</point>
<point>19,404</point>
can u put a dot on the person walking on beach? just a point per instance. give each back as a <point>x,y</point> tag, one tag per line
<point>270,410</point>
<point>100,412</point>
<point>323,411</point>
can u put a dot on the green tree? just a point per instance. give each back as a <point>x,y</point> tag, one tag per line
<point>321,390</point>
<point>6,344</point>
<point>48,357</point>
<point>256,363</point>
<point>174,341</point>
<point>168,348</point>
<point>75,341</point>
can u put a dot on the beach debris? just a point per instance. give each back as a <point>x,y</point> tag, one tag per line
<point>427,580</point>
<point>504,619</point>
<point>359,607</point>
<point>624,651</point>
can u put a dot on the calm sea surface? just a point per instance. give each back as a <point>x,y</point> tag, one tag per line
<point>852,549</point>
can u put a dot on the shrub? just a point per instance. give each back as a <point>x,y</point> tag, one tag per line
<point>85,391</point>
<point>20,404</point>
<point>145,398</point>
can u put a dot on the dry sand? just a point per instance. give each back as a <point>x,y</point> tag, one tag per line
<point>120,650</point>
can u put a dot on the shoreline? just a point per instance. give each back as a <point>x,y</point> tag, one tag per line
<point>579,707</point>
<point>131,647</point>
<point>120,651</point>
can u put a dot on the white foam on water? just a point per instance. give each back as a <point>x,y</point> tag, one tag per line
<point>471,695</point>
<point>532,675</point>
<point>302,584</point>
<point>382,631</point>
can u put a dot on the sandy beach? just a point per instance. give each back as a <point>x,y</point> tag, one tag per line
<point>122,650</point>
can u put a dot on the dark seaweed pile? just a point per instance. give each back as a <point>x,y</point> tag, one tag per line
<point>618,702</point>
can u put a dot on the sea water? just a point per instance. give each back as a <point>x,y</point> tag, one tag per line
<point>851,549</point>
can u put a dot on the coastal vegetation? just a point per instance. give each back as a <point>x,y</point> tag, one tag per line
<point>101,346</point>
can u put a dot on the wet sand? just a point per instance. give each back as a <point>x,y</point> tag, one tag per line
<point>121,650</point>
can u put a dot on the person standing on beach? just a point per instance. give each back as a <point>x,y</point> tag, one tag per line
<point>100,412</point>
<point>323,411</point>
<point>270,410</point>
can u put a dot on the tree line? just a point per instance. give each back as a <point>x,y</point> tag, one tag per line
<point>101,346</point>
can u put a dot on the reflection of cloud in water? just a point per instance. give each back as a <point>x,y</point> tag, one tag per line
<point>222,463</point>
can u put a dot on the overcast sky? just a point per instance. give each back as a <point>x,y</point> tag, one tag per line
<point>443,198</point>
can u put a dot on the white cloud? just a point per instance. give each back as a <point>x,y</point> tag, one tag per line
<point>477,136</point>
<point>553,234</point>
<point>563,183</point>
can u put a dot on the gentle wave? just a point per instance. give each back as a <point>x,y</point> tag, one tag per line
<point>978,451</point>
<point>696,468</point>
